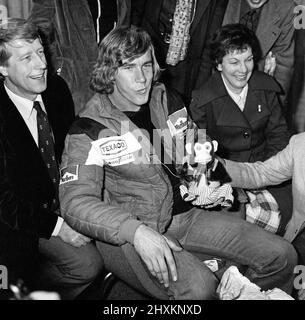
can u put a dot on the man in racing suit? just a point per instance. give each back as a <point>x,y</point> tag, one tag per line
<point>123,192</point>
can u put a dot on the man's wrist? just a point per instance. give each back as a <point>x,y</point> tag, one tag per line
<point>128,229</point>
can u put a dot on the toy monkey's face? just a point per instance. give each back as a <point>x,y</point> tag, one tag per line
<point>203,152</point>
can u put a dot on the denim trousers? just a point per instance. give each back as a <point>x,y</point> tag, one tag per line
<point>268,259</point>
<point>195,280</point>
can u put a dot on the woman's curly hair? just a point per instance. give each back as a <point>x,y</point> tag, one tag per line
<point>123,43</point>
<point>233,37</point>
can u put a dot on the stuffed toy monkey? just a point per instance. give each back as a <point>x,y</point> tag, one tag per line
<point>204,180</point>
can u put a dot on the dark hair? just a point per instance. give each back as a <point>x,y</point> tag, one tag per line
<point>120,44</point>
<point>233,37</point>
<point>12,29</point>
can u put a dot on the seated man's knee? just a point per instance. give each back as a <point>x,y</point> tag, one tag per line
<point>276,267</point>
<point>93,268</point>
<point>195,280</point>
<point>204,285</point>
<point>89,267</point>
<point>285,255</point>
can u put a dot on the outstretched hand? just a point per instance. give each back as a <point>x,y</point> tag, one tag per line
<point>156,252</point>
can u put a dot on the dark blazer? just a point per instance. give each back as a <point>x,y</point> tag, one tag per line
<point>257,133</point>
<point>27,209</point>
<point>192,72</point>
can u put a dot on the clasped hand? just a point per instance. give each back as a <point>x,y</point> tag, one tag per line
<point>270,64</point>
<point>72,237</point>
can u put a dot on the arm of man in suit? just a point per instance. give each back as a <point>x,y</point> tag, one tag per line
<point>214,22</point>
<point>21,214</point>
<point>284,51</point>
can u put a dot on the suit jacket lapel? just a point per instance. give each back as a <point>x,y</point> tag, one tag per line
<point>267,29</point>
<point>14,121</point>
<point>229,114</point>
<point>232,12</point>
<point>201,6</point>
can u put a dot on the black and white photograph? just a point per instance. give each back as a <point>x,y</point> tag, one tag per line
<point>152,156</point>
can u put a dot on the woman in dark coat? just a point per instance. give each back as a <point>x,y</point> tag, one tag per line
<point>239,107</point>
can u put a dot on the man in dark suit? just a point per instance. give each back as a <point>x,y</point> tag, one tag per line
<point>35,114</point>
<point>164,20</point>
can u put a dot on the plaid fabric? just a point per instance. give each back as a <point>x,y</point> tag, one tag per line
<point>203,195</point>
<point>263,210</point>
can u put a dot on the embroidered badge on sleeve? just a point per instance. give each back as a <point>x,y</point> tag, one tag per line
<point>68,174</point>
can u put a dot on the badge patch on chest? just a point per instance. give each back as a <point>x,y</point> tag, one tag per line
<point>68,174</point>
<point>117,150</point>
<point>113,147</point>
<point>177,122</point>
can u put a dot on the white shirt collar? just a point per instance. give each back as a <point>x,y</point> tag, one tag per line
<point>24,106</point>
<point>239,98</point>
